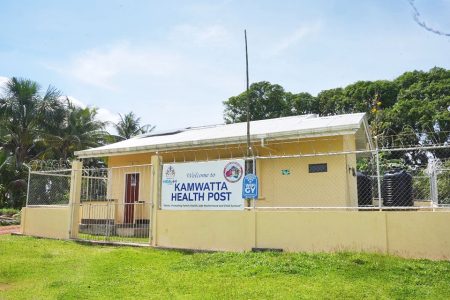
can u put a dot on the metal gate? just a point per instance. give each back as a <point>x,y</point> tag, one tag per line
<point>115,204</point>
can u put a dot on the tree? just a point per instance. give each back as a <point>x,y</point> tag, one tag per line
<point>22,110</point>
<point>411,110</point>
<point>129,126</point>
<point>72,129</point>
<point>266,101</point>
<point>302,103</point>
<point>331,102</point>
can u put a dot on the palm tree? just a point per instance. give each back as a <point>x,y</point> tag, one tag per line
<point>129,126</point>
<point>73,128</point>
<point>22,110</point>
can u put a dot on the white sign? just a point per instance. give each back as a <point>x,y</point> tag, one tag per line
<point>214,185</point>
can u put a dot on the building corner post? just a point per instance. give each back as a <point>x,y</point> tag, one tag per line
<point>74,198</point>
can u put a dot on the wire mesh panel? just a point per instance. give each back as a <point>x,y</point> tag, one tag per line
<point>322,181</point>
<point>49,187</point>
<point>405,179</point>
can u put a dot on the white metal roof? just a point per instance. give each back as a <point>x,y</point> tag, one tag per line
<point>279,128</point>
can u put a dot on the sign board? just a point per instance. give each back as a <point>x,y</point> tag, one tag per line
<point>214,185</point>
<point>250,187</point>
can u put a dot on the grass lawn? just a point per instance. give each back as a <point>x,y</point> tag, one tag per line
<point>49,269</point>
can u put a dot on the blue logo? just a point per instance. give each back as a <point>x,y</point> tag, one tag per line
<point>250,187</point>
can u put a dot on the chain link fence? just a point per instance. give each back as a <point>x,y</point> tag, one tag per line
<point>407,179</point>
<point>364,180</point>
<point>49,187</point>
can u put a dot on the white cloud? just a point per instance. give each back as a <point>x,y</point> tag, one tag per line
<point>74,101</point>
<point>103,114</point>
<point>105,67</point>
<point>295,37</point>
<point>3,81</point>
<point>212,35</point>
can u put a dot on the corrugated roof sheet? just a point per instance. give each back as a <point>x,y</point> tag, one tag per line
<point>295,126</point>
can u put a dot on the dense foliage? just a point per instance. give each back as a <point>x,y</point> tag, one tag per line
<point>44,125</point>
<point>413,109</point>
<point>416,102</point>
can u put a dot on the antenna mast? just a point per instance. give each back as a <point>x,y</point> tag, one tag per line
<point>249,168</point>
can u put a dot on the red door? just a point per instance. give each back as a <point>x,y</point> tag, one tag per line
<point>131,196</point>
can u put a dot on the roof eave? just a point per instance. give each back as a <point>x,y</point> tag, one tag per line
<point>337,130</point>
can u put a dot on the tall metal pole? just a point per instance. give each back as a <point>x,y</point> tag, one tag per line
<point>377,157</point>
<point>249,169</point>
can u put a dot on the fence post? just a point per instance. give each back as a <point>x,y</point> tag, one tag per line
<point>433,183</point>
<point>377,156</point>
<point>28,185</point>
<point>74,198</point>
<point>156,188</point>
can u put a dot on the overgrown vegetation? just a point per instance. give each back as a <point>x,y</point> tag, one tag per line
<point>49,269</point>
<point>9,216</point>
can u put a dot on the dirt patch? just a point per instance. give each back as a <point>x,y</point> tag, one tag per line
<point>9,230</point>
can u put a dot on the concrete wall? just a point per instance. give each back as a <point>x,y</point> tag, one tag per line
<point>319,231</point>
<point>420,234</point>
<point>219,230</point>
<point>46,221</point>
<point>407,234</point>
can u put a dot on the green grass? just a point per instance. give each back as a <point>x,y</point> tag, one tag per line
<point>49,269</point>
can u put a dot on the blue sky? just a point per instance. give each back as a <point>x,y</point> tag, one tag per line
<point>174,62</point>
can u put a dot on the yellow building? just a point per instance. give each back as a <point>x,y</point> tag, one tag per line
<point>307,193</point>
<point>301,161</point>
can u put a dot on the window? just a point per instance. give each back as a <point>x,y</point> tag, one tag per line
<point>318,168</point>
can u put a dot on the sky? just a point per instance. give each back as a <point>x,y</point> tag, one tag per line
<point>173,63</point>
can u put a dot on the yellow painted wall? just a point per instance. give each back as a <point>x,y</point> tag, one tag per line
<point>419,234</point>
<point>322,231</point>
<point>407,234</point>
<point>218,230</point>
<point>49,221</point>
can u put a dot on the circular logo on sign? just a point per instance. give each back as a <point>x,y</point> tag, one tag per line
<point>232,171</point>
